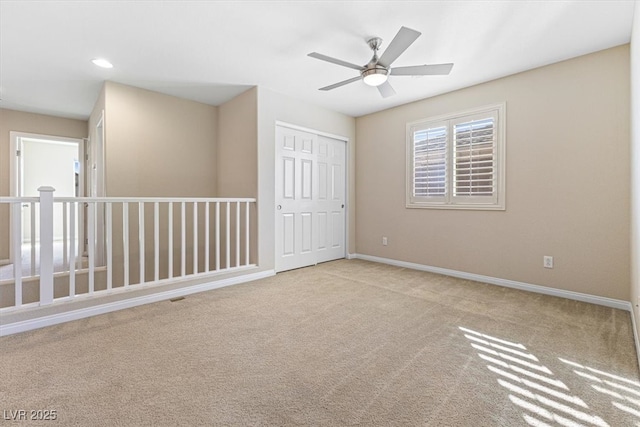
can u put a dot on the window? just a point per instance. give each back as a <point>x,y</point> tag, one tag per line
<point>457,161</point>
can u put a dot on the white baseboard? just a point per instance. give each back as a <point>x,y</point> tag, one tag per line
<point>577,296</point>
<point>54,319</point>
<point>5,261</point>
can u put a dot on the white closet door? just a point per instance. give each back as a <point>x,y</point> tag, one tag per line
<point>310,198</point>
<point>330,201</point>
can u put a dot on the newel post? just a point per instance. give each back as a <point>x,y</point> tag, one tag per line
<point>46,245</point>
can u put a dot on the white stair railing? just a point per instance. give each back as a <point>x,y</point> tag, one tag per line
<point>213,239</point>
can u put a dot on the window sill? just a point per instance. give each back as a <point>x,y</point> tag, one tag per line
<point>474,207</point>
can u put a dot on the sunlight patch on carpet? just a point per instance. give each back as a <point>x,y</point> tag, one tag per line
<point>623,390</point>
<point>532,386</point>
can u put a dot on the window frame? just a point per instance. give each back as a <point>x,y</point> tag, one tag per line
<point>449,200</point>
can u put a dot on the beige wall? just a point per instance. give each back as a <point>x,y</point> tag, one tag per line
<point>29,123</point>
<point>635,163</point>
<point>158,145</point>
<point>237,162</point>
<point>155,145</point>
<point>274,107</point>
<point>567,179</point>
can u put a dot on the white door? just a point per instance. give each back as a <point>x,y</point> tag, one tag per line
<point>330,201</point>
<point>310,199</point>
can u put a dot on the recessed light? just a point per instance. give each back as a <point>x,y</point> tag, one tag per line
<point>100,62</point>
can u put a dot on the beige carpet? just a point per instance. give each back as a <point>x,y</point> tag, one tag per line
<point>342,343</point>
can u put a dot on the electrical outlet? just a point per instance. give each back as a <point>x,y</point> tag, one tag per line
<point>547,261</point>
<point>384,241</point>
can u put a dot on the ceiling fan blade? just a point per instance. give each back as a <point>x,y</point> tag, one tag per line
<point>423,70</point>
<point>335,61</point>
<point>386,90</point>
<point>342,83</point>
<point>400,43</point>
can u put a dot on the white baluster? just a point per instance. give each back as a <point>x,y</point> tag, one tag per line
<point>141,240</point>
<point>237,234</point>
<point>183,253</point>
<point>156,241</point>
<point>72,248</point>
<point>46,245</point>
<point>195,237</point>
<point>206,237</point>
<point>247,228</point>
<point>17,251</point>
<point>32,218</point>
<point>125,241</point>
<point>217,236</point>
<point>109,246</point>
<point>91,245</point>
<point>228,234</point>
<point>170,241</point>
<point>64,236</point>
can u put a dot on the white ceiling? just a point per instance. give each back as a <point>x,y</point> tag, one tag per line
<point>210,51</point>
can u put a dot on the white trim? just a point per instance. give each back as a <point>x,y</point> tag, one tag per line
<point>635,332</point>
<point>5,261</point>
<point>15,136</point>
<point>577,296</point>
<point>100,175</point>
<point>54,319</point>
<point>310,130</point>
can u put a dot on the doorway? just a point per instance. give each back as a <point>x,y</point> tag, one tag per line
<point>43,160</point>
<point>310,198</point>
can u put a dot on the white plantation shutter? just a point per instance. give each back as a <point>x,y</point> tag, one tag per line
<point>475,152</point>
<point>429,162</point>
<point>457,161</point>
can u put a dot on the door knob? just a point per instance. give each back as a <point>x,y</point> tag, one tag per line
<point>342,206</point>
<point>279,207</point>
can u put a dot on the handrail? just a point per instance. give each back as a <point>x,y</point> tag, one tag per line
<point>13,199</point>
<point>18,199</point>
<point>154,199</point>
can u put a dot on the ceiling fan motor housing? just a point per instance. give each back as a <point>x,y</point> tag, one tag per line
<point>374,43</point>
<point>374,74</point>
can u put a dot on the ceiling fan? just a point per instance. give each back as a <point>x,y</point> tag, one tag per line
<point>377,70</point>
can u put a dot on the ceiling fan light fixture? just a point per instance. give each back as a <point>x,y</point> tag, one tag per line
<point>375,76</point>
